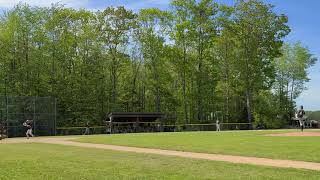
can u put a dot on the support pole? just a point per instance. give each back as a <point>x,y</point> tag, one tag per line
<point>137,125</point>
<point>55,116</point>
<point>111,129</point>
<point>7,113</point>
<point>161,124</point>
<point>34,114</point>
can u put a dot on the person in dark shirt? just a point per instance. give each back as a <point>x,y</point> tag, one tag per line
<point>28,124</point>
<point>301,113</point>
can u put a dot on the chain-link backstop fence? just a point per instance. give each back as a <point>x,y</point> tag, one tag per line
<point>15,110</point>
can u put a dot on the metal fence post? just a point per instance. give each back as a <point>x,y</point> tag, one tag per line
<point>34,114</point>
<point>7,113</point>
<point>55,116</point>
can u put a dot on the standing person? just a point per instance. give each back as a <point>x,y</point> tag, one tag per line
<point>87,131</point>
<point>217,125</point>
<point>28,124</point>
<point>301,113</point>
<point>108,127</point>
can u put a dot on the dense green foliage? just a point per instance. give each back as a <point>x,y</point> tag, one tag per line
<point>313,115</point>
<point>244,143</point>
<point>52,162</point>
<point>197,58</point>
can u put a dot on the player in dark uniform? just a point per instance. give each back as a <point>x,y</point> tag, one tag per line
<point>301,113</point>
<point>28,124</point>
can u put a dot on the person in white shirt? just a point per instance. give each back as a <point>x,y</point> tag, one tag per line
<point>301,113</point>
<point>217,125</point>
<point>28,124</point>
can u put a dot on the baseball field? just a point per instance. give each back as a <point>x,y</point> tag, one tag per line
<point>285,154</point>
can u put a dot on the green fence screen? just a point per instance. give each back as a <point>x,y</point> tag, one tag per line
<point>14,110</point>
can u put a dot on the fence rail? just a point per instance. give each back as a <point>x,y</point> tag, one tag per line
<point>163,128</point>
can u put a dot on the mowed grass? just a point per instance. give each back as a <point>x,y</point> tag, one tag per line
<point>46,162</point>
<point>245,143</point>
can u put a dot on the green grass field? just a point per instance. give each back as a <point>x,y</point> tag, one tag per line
<point>246,143</point>
<point>42,162</point>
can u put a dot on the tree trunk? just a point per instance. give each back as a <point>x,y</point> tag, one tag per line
<point>291,98</point>
<point>158,98</point>
<point>157,87</point>
<point>247,85</point>
<point>248,103</point>
<point>184,83</point>
<point>200,75</point>
<point>114,76</point>
<point>226,78</point>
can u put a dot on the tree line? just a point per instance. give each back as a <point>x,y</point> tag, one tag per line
<point>196,58</point>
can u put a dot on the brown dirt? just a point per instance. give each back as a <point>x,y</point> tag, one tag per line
<point>213,157</point>
<point>308,134</point>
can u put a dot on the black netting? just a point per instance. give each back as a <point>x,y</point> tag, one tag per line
<point>15,110</point>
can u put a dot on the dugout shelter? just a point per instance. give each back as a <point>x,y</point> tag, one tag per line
<point>130,122</point>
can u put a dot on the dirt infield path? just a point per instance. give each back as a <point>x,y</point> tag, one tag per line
<point>213,157</point>
<point>297,134</point>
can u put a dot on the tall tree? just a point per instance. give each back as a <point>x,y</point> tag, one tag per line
<point>291,75</point>
<point>115,24</point>
<point>259,32</point>
<point>180,35</point>
<point>153,24</point>
<point>196,58</point>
